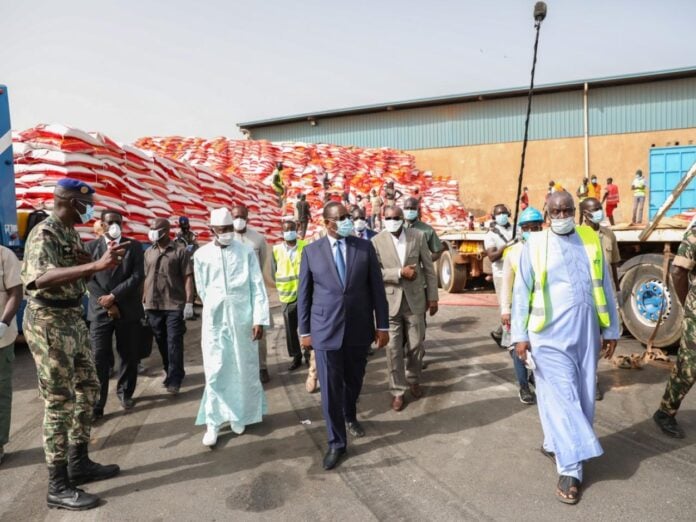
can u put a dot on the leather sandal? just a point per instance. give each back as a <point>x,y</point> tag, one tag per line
<point>568,489</point>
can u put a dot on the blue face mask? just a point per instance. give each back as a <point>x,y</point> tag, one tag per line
<point>502,219</point>
<point>290,235</point>
<point>563,226</point>
<point>344,228</point>
<point>88,214</point>
<point>525,236</point>
<point>410,214</point>
<point>597,216</point>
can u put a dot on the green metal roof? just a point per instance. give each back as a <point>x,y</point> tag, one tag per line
<point>628,79</point>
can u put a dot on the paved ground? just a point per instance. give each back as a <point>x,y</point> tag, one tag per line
<point>468,450</point>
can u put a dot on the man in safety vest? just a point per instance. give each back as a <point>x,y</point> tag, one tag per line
<point>638,187</point>
<point>563,310</point>
<point>286,273</point>
<point>531,220</point>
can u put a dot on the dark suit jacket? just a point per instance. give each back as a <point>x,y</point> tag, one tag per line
<point>367,232</point>
<point>335,316</point>
<point>125,282</point>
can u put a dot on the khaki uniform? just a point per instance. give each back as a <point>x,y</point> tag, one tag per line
<point>683,374</point>
<point>58,339</point>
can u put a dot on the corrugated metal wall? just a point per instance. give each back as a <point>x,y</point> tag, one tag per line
<point>612,110</point>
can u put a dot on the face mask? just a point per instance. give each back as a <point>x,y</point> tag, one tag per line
<point>393,225</point>
<point>563,226</point>
<point>594,181</point>
<point>410,214</point>
<point>239,224</point>
<point>88,214</point>
<point>154,235</point>
<point>114,231</point>
<point>290,235</point>
<point>525,236</point>
<point>597,216</point>
<point>501,219</point>
<point>360,225</point>
<point>344,228</point>
<point>225,239</point>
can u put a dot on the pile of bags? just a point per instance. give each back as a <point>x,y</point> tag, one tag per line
<point>168,177</point>
<point>305,167</point>
<point>137,183</point>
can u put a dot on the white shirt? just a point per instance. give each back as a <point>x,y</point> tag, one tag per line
<point>400,245</point>
<point>493,240</point>
<point>10,268</point>
<point>110,241</point>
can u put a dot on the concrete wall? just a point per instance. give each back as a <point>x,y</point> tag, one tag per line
<point>487,174</point>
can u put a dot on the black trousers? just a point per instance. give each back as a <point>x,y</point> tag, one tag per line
<point>291,336</point>
<point>168,328</point>
<point>128,348</point>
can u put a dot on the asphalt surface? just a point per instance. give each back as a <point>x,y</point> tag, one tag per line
<point>467,450</point>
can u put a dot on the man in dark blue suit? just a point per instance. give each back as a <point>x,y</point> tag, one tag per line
<point>341,297</point>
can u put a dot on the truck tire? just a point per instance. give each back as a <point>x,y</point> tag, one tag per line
<point>452,276</point>
<point>642,292</point>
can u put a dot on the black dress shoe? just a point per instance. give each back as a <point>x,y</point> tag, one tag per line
<point>296,363</point>
<point>668,424</point>
<point>263,376</point>
<point>356,429</point>
<point>97,414</point>
<point>332,457</point>
<point>127,404</point>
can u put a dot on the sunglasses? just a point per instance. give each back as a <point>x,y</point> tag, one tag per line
<point>392,218</point>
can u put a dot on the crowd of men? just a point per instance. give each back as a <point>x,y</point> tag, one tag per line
<point>350,289</point>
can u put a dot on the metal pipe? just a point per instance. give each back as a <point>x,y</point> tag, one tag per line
<point>586,125</point>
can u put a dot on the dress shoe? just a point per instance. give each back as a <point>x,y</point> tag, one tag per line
<point>296,363</point>
<point>97,415</point>
<point>397,403</point>
<point>263,376</point>
<point>370,351</point>
<point>311,384</point>
<point>211,436</point>
<point>127,403</point>
<point>81,469</point>
<point>63,495</point>
<point>2,454</point>
<point>332,457</point>
<point>599,394</point>
<point>174,390</point>
<point>355,429</point>
<point>668,424</point>
<point>416,390</point>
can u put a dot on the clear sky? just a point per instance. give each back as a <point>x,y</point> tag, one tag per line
<point>158,67</point>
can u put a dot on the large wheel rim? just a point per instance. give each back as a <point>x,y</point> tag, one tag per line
<point>446,272</point>
<point>650,295</point>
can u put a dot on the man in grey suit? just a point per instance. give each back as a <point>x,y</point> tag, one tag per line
<point>407,269</point>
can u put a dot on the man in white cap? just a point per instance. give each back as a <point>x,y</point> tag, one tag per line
<point>235,310</point>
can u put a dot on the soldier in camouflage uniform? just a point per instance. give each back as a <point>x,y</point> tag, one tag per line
<point>54,273</point>
<point>684,372</point>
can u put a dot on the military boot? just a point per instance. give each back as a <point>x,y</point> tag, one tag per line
<point>62,495</point>
<point>81,469</point>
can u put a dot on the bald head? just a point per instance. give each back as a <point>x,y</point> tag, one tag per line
<point>561,205</point>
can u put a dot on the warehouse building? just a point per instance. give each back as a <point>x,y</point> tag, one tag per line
<point>604,127</point>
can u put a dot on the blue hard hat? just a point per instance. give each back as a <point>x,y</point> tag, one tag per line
<point>531,215</point>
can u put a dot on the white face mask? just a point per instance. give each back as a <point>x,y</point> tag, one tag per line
<point>393,225</point>
<point>563,226</point>
<point>360,224</point>
<point>225,239</point>
<point>114,231</point>
<point>239,224</point>
<point>155,235</point>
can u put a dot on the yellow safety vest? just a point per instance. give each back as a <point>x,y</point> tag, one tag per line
<point>639,187</point>
<point>287,276</point>
<point>540,311</point>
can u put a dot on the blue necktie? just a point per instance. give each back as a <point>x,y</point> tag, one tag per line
<point>340,262</point>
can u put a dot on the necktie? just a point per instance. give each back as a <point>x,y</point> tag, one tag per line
<point>340,262</point>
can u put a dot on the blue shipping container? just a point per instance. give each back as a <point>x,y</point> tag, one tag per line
<point>668,165</point>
